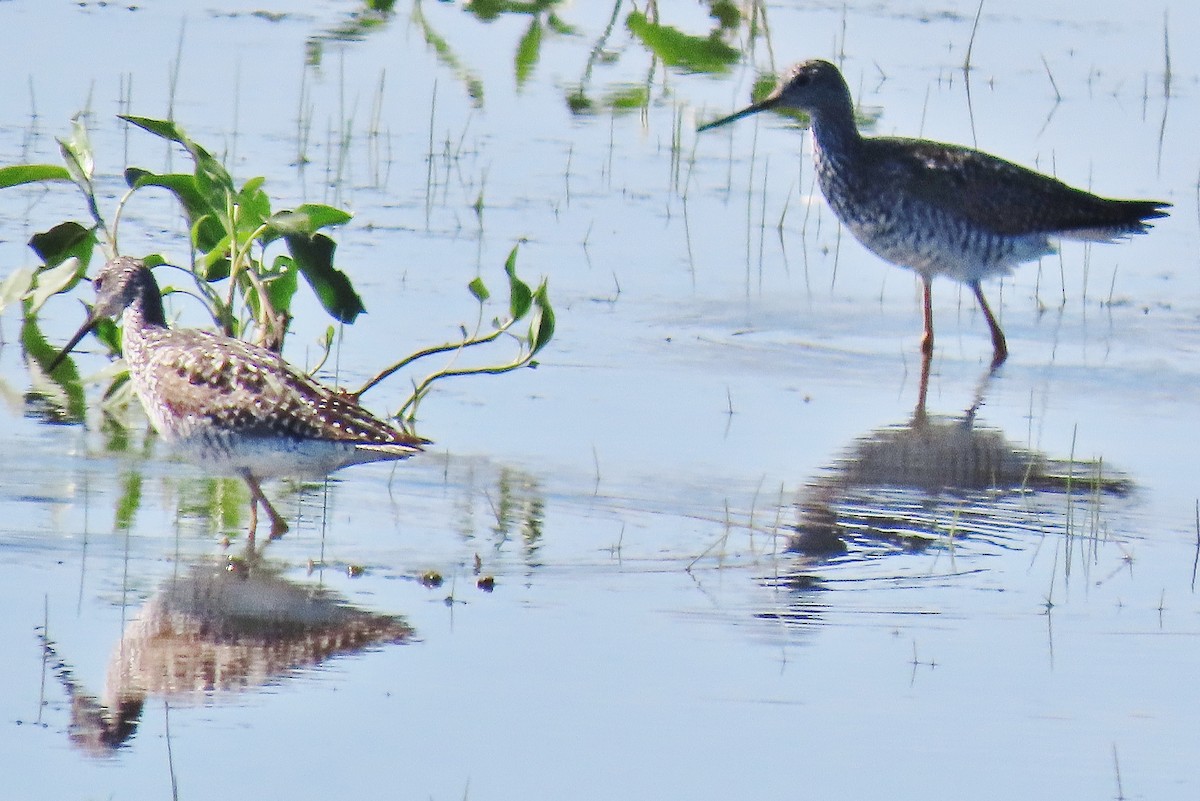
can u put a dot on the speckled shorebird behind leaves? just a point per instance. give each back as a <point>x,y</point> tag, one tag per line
<point>230,404</point>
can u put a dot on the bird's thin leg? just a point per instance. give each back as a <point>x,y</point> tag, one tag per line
<point>927,337</point>
<point>253,522</point>
<point>919,412</point>
<point>279,526</point>
<point>999,347</point>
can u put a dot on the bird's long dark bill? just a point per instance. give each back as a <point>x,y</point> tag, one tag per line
<point>754,108</point>
<point>87,326</point>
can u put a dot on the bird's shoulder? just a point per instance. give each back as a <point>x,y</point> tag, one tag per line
<point>987,191</point>
<point>223,364</point>
<point>241,387</point>
<point>944,165</point>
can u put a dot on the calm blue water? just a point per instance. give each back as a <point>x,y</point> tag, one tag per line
<point>649,635</point>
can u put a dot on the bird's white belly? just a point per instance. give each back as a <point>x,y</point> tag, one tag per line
<point>268,457</point>
<point>948,247</point>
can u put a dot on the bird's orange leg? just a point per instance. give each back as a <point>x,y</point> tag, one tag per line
<point>999,346</point>
<point>279,526</point>
<point>927,337</point>
<point>923,389</point>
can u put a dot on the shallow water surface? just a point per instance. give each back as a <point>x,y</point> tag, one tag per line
<point>710,548</point>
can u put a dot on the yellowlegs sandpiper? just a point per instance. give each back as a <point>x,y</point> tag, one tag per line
<point>941,209</point>
<point>230,404</point>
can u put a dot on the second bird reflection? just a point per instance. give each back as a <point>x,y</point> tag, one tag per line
<point>907,485</point>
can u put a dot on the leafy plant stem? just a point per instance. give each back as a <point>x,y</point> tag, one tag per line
<point>433,351</point>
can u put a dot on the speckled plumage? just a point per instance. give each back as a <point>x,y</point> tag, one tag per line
<point>234,405</point>
<point>936,208</point>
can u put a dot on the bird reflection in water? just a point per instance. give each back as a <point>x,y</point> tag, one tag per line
<point>219,628</point>
<point>909,485</point>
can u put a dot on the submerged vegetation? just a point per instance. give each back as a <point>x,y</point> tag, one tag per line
<point>713,544</point>
<point>244,265</point>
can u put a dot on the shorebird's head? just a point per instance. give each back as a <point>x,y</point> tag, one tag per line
<point>810,86</point>
<point>120,282</point>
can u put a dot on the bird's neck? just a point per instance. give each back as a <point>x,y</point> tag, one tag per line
<point>148,307</point>
<point>835,135</point>
<point>146,310</point>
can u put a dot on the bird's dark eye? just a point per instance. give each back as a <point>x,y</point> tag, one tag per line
<point>98,282</point>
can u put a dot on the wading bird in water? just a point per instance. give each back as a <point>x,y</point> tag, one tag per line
<point>941,209</point>
<point>232,405</point>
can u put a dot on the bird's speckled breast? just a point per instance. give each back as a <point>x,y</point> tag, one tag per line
<point>902,229</point>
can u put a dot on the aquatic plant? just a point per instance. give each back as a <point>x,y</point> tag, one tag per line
<point>244,261</point>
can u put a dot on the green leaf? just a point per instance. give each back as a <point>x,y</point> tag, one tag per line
<point>558,26</point>
<point>153,260</point>
<point>129,502</point>
<point>323,216</point>
<point>628,98</point>
<point>53,280</point>
<point>66,376</point>
<point>314,256</point>
<point>678,49</point>
<point>529,50</point>
<point>486,10</point>
<point>307,218</point>
<point>254,207</point>
<point>479,290</point>
<point>15,286</point>
<point>542,329</point>
<point>210,173</point>
<point>579,103</point>
<point>63,241</point>
<point>282,283</point>
<point>763,85</point>
<point>76,151</point>
<point>520,297</point>
<point>285,223</point>
<point>19,174</point>
<point>205,213</point>
<point>726,13</point>
<point>163,128</point>
<point>109,333</point>
<point>214,265</point>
